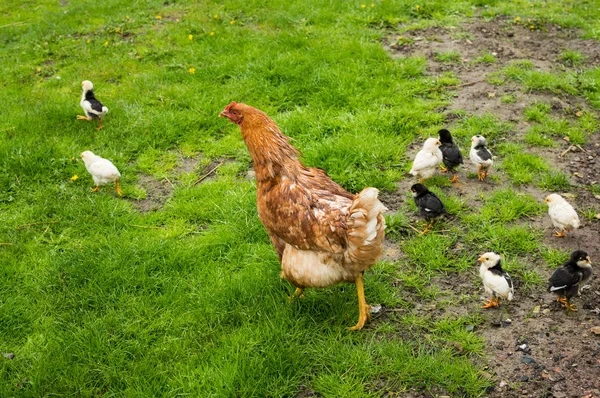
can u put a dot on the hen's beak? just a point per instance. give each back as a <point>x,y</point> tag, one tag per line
<point>224,114</point>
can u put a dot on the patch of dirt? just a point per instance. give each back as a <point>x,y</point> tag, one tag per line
<point>562,354</point>
<point>157,193</point>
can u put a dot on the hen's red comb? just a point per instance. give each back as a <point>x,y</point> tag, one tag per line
<point>233,103</point>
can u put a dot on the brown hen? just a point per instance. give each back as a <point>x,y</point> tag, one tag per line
<point>323,234</point>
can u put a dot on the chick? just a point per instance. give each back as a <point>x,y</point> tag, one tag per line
<point>481,156</point>
<point>430,206</point>
<point>563,215</point>
<point>91,106</point>
<point>452,156</point>
<point>566,280</point>
<point>427,159</point>
<point>102,170</point>
<point>496,281</point>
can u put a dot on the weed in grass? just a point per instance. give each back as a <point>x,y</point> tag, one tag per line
<point>448,57</point>
<point>572,57</point>
<point>508,99</point>
<point>537,112</point>
<point>553,181</point>
<point>486,58</point>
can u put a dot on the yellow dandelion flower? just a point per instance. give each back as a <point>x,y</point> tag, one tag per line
<point>190,37</point>
<point>74,178</point>
<point>517,19</point>
<point>192,70</point>
<point>158,17</point>
<point>232,22</point>
<point>106,43</point>
<point>418,7</point>
<point>372,5</point>
<point>38,69</point>
<point>88,41</point>
<point>118,30</point>
<point>215,16</point>
<point>363,5</point>
<point>212,33</point>
<point>532,27</point>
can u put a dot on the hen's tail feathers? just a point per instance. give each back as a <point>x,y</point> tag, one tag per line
<point>366,228</point>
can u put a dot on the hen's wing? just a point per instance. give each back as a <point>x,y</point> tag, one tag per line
<point>307,211</point>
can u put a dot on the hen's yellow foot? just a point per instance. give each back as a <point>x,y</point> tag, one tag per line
<point>363,307</point>
<point>296,294</point>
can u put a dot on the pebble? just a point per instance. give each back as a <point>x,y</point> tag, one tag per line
<point>527,359</point>
<point>524,378</point>
<point>9,355</point>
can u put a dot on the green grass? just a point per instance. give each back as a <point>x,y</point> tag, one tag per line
<point>100,298</point>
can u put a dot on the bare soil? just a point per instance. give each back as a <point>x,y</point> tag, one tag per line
<point>561,355</point>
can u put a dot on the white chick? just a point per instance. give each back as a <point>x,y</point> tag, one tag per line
<point>427,159</point>
<point>481,156</point>
<point>563,215</point>
<point>102,170</point>
<point>496,282</point>
<point>91,106</point>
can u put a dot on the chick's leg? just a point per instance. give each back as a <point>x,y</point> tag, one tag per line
<point>480,173</point>
<point>118,187</point>
<point>454,177</point>
<point>99,124</point>
<point>79,117</point>
<point>95,189</point>
<point>443,169</point>
<point>363,307</point>
<point>559,234</point>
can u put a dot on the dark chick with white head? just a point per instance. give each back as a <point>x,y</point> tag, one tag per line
<point>566,280</point>
<point>91,106</point>
<point>452,157</point>
<point>481,156</point>
<point>496,282</point>
<point>430,206</point>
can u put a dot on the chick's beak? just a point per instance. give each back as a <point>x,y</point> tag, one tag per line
<point>589,261</point>
<point>481,259</point>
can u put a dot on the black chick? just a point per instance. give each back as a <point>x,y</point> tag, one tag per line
<point>430,206</point>
<point>566,280</point>
<point>452,156</point>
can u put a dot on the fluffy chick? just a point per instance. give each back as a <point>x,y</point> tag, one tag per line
<point>102,170</point>
<point>496,281</point>
<point>563,215</point>
<point>429,204</point>
<point>481,156</point>
<point>91,106</point>
<point>566,280</point>
<point>452,157</point>
<point>427,159</point>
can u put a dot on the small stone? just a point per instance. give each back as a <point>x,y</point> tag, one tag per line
<point>9,355</point>
<point>375,309</point>
<point>470,328</point>
<point>527,359</point>
<point>469,41</point>
<point>536,309</point>
<point>494,53</point>
<point>578,174</point>
<point>596,329</point>
<point>590,157</point>
<point>566,138</point>
<point>524,378</point>
<point>491,95</point>
<point>597,216</point>
<point>502,384</point>
<point>579,114</point>
<point>546,311</point>
<point>507,321</point>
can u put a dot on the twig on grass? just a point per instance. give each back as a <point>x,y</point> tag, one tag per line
<point>23,226</point>
<point>199,180</point>
<point>6,244</point>
<point>458,85</point>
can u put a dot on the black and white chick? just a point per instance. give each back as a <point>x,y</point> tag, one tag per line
<point>452,157</point>
<point>481,156</point>
<point>566,280</point>
<point>430,206</point>
<point>496,282</point>
<point>93,108</point>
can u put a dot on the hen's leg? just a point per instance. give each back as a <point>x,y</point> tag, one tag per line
<point>297,293</point>
<point>363,307</point>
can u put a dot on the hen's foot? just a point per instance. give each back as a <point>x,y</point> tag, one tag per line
<point>363,307</point>
<point>297,294</point>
